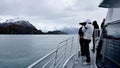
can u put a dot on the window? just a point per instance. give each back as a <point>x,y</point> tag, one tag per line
<point>113,30</point>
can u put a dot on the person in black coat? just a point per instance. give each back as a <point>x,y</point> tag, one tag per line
<point>100,43</point>
<point>81,38</point>
<point>95,27</point>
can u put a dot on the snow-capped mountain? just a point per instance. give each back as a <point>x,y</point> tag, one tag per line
<point>19,21</point>
<point>14,20</point>
<point>17,26</point>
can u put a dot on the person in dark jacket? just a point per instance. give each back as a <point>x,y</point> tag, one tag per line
<point>95,25</point>
<point>81,38</point>
<point>98,53</point>
<point>102,24</point>
<point>94,36</point>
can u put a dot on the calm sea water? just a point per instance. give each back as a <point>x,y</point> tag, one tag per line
<point>19,51</point>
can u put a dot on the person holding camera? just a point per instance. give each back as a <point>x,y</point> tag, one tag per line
<point>81,39</point>
<point>87,30</point>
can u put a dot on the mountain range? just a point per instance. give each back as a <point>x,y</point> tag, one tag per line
<point>16,26</point>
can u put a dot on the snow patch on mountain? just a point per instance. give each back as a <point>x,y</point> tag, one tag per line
<point>14,20</point>
<point>17,21</point>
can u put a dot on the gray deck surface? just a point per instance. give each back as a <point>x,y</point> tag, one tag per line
<point>81,60</point>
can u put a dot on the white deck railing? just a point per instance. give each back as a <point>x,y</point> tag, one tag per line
<point>97,34</point>
<point>59,57</point>
<point>96,38</point>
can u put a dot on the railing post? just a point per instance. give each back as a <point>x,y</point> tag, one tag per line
<point>76,47</point>
<point>94,36</point>
<point>56,57</point>
<point>65,49</point>
<point>71,45</point>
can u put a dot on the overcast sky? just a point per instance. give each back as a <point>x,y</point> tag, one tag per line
<point>52,14</point>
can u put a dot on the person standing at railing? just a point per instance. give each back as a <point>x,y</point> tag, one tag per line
<point>88,32</point>
<point>81,39</point>
<point>98,53</point>
<point>96,33</point>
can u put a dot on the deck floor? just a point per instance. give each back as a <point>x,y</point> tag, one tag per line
<point>81,60</point>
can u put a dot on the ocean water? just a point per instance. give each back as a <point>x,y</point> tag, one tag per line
<point>19,51</point>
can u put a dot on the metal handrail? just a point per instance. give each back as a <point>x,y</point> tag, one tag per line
<point>97,33</point>
<point>58,57</point>
<point>96,38</point>
<point>35,63</point>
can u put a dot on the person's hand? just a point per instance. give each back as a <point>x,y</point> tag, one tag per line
<point>86,28</point>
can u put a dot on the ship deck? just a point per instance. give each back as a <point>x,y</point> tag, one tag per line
<point>81,60</point>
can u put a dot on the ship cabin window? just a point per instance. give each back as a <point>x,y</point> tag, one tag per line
<point>112,30</point>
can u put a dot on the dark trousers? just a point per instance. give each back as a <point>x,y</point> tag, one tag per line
<point>93,45</point>
<point>82,48</point>
<point>98,55</point>
<point>87,52</point>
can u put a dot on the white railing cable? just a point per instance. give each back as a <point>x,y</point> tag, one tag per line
<point>58,57</point>
<point>35,63</point>
<point>96,38</point>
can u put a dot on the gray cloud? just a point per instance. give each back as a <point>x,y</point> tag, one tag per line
<point>55,12</point>
<point>83,5</point>
<point>43,7</point>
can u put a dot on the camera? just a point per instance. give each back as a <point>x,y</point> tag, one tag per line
<point>82,23</point>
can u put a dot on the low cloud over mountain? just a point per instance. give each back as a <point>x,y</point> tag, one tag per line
<point>70,30</point>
